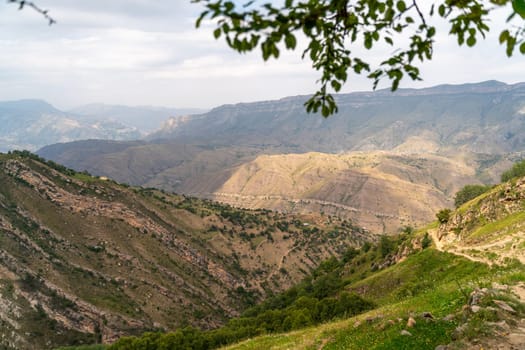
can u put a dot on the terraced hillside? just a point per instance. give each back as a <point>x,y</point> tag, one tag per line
<point>84,259</point>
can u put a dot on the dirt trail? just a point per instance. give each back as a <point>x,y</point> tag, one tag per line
<point>508,247</point>
<point>512,338</point>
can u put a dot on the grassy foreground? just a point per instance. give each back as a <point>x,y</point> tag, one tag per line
<point>430,281</point>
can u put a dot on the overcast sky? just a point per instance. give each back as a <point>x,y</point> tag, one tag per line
<point>148,52</point>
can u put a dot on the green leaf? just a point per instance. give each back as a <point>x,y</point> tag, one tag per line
<point>217,33</point>
<point>503,36</point>
<point>522,48</point>
<point>336,85</point>
<point>201,17</point>
<point>368,41</point>
<point>290,41</point>
<point>519,7</point>
<point>401,6</point>
<point>441,10</point>
<point>471,41</point>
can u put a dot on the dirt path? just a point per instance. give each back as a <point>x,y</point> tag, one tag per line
<point>509,338</point>
<point>478,252</point>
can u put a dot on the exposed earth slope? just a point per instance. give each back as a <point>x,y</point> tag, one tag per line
<point>83,259</point>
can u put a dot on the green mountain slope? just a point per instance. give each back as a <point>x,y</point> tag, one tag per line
<point>423,295</point>
<point>83,259</point>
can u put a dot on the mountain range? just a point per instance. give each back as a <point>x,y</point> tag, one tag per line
<point>456,134</point>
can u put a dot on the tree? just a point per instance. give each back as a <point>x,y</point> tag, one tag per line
<point>443,215</point>
<point>469,192</point>
<point>334,27</point>
<point>23,3</point>
<point>426,241</point>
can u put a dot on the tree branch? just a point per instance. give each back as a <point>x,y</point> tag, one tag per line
<point>45,13</point>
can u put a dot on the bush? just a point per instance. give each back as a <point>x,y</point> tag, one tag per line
<point>386,245</point>
<point>443,215</point>
<point>517,170</point>
<point>469,192</point>
<point>426,241</point>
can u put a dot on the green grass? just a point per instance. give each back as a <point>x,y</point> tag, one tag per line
<point>506,225</point>
<point>429,281</point>
<point>84,347</point>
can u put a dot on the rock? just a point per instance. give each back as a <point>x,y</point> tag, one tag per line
<point>501,287</point>
<point>427,315</point>
<point>405,332</point>
<point>449,317</point>
<point>372,319</point>
<point>357,324</point>
<point>504,306</point>
<point>476,296</point>
<point>391,322</point>
<point>475,308</point>
<point>502,325</point>
<point>441,347</point>
<point>411,322</point>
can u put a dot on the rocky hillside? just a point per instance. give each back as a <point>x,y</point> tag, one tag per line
<point>83,259</point>
<point>378,190</point>
<point>490,228</point>
<point>382,191</point>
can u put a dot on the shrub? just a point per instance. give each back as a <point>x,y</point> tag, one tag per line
<point>469,192</point>
<point>443,215</point>
<point>426,241</point>
<point>517,170</point>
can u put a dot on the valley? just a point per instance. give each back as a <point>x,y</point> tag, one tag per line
<point>274,228</point>
<point>415,147</point>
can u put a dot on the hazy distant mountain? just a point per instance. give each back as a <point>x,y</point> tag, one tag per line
<point>486,117</point>
<point>144,118</point>
<point>31,124</point>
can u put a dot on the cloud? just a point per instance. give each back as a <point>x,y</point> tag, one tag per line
<point>149,52</point>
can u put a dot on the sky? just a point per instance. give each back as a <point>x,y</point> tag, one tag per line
<point>148,52</point>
